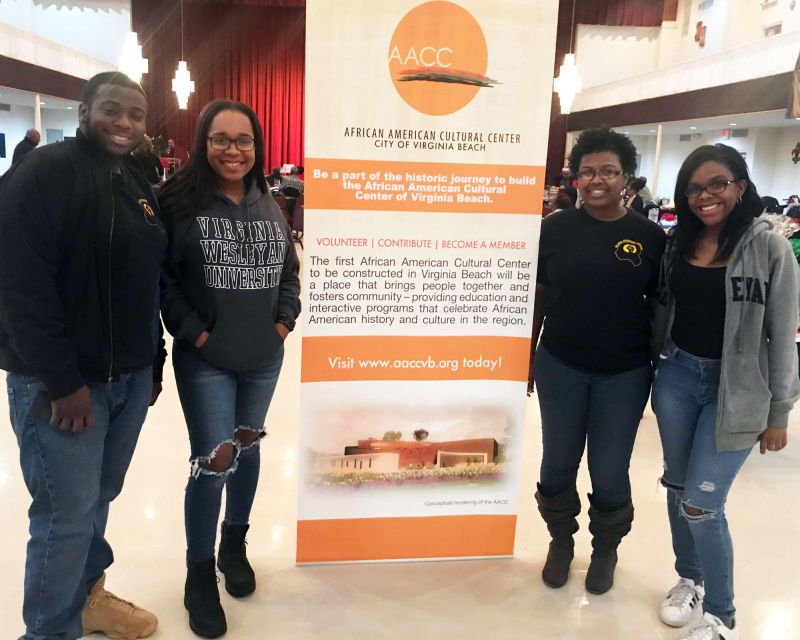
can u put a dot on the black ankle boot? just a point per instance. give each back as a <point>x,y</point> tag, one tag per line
<point>201,599</point>
<point>559,513</point>
<point>608,529</point>
<point>232,560</point>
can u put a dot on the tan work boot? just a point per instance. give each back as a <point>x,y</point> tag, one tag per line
<point>116,618</point>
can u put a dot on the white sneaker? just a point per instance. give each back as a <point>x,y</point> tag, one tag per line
<point>680,603</point>
<point>712,628</point>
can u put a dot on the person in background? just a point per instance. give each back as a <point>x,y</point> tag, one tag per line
<point>176,152</point>
<point>26,145</point>
<point>597,267</point>
<point>725,323</point>
<point>562,201</point>
<point>274,178</point>
<point>293,183</point>
<point>632,198</point>
<point>563,180</point>
<point>79,336</point>
<point>572,193</point>
<point>229,324</point>
<point>150,162</point>
<point>644,190</point>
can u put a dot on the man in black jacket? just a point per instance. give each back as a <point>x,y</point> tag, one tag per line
<point>28,143</point>
<point>81,251</point>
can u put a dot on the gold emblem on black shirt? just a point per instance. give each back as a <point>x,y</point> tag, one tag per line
<point>629,251</point>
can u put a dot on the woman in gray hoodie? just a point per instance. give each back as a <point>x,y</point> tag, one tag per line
<point>230,296</point>
<point>724,338</point>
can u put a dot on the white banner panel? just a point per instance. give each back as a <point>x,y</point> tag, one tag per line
<point>426,134</point>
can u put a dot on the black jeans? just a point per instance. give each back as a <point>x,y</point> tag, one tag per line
<point>600,409</point>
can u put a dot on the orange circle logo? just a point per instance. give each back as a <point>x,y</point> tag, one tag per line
<point>438,58</point>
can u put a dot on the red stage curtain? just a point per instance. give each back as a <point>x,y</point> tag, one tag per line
<point>619,13</point>
<point>254,54</point>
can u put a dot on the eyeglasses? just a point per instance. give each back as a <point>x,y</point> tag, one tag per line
<point>221,143</point>
<point>714,187</point>
<point>606,173</point>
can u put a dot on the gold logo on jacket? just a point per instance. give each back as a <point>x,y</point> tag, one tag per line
<point>629,251</point>
<point>145,205</point>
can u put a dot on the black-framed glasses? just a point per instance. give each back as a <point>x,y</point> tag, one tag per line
<point>714,187</point>
<point>606,173</point>
<point>222,143</point>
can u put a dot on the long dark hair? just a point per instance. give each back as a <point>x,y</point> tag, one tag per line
<point>690,227</point>
<point>191,189</point>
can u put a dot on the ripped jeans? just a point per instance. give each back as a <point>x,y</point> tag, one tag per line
<point>696,475</point>
<point>221,406</point>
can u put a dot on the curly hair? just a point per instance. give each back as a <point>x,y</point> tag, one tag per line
<point>601,139</point>
<point>689,226</point>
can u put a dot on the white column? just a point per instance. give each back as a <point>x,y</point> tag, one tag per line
<point>657,161</point>
<point>37,114</point>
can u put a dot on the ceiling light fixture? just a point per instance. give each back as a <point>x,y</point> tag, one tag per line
<point>182,84</point>
<point>568,84</point>
<point>131,62</point>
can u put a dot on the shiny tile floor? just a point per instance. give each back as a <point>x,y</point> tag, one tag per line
<point>497,599</point>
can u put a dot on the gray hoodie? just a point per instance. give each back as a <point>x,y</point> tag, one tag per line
<point>759,377</point>
<point>231,270</point>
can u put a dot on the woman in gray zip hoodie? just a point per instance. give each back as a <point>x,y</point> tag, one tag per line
<point>726,377</point>
<point>230,296</point>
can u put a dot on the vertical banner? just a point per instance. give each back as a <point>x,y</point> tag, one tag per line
<point>426,135</point>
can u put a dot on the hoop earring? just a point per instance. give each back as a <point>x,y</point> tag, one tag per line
<point>739,200</point>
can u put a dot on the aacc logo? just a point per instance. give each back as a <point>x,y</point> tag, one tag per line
<point>438,58</point>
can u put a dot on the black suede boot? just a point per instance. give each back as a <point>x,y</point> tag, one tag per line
<point>232,560</point>
<point>201,599</point>
<point>608,529</point>
<point>559,512</point>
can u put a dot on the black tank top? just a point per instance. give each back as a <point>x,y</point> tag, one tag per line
<point>699,308</point>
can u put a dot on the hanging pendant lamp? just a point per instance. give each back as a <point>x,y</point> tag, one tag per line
<point>182,84</point>
<point>130,61</point>
<point>568,83</point>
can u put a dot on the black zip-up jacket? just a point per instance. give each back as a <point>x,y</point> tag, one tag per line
<point>80,256</point>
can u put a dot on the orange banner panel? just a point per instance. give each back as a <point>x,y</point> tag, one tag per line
<point>399,538</point>
<point>381,185</point>
<point>341,358</point>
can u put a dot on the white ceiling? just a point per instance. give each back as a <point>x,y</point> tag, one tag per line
<point>25,99</point>
<point>741,121</point>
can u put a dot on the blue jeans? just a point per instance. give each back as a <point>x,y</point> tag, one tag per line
<point>600,409</point>
<point>696,475</point>
<point>72,479</point>
<point>216,403</point>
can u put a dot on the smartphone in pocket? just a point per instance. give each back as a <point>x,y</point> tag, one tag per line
<point>41,409</point>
